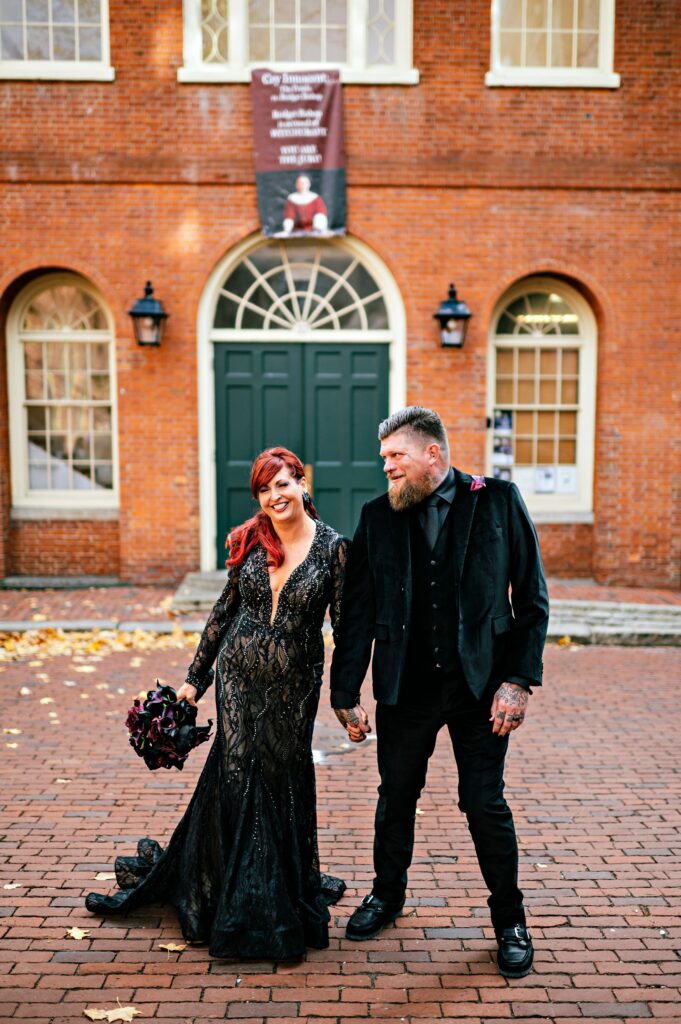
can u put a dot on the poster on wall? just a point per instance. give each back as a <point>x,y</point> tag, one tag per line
<point>299,152</point>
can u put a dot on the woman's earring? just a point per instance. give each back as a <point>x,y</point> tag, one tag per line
<point>306,499</point>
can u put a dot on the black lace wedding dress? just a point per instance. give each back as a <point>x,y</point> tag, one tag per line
<point>242,866</point>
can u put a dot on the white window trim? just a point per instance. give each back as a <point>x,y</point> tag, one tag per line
<point>48,501</point>
<point>238,70</point>
<point>602,77</point>
<point>547,506</point>
<point>66,70</point>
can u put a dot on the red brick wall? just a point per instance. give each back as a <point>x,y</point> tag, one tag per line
<point>447,180</point>
<point>57,547</point>
<point>567,549</point>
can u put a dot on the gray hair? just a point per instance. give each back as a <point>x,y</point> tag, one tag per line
<point>417,420</point>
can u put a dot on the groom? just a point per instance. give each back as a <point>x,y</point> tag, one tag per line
<point>427,583</point>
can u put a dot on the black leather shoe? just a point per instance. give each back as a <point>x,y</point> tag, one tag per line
<point>371,916</point>
<point>516,954</point>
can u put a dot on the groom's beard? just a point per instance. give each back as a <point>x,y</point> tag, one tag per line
<point>410,493</point>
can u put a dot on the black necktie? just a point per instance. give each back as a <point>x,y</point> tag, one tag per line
<point>432,525</point>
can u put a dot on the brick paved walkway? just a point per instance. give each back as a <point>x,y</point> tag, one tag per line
<point>594,779</point>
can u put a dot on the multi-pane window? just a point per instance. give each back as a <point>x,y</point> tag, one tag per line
<point>54,39</point>
<point>369,40</point>
<point>301,287</point>
<point>298,30</point>
<point>63,431</point>
<point>542,399</point>
<point>552,42</point>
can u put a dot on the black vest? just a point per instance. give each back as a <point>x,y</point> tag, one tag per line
<point>433,632</point>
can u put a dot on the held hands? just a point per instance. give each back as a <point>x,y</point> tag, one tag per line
<point>355,721</point>
<point>508,708</point>
<point>188,691</point>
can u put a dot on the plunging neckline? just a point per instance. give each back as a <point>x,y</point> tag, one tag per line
<point>275,611</point>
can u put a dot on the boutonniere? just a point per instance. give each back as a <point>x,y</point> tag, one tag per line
<point>477,483</point>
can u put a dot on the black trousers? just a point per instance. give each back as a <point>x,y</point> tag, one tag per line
<point>406,734</point>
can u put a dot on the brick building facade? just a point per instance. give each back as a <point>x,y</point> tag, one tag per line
<point>561,189</point>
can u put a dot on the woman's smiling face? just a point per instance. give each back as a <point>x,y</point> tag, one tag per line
<point>282,498</point>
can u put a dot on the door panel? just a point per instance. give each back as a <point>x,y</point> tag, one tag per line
<point>258,395</point>
<point>346,396</point>
<point>323,401</point>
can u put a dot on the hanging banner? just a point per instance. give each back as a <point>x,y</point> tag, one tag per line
<point>299,152</point>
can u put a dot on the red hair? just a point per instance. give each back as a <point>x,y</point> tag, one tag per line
<point>259,530</point>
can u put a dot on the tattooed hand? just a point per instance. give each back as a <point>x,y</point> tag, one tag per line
<point>508,708</point>
<point>355,720</point>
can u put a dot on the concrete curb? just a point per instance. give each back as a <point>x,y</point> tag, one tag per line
<point>607,623</point>
<point>115,625</point>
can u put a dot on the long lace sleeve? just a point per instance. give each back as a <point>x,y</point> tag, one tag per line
<point>338,562</point>
<point>200,673</point>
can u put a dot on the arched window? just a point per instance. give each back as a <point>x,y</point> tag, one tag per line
<point>62,396</point>
<point>542,396</point>
<point>301,287</point>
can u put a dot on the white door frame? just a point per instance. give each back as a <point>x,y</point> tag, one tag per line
<point>396,337</point>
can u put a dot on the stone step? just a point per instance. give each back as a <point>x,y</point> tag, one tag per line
<point>590,622</point>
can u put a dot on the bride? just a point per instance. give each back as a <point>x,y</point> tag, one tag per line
<point>242,867</point>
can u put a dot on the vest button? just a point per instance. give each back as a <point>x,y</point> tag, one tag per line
<point>433,563</point>
<point>434,607</point>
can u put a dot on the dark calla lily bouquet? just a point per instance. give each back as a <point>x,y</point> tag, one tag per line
<point>163,729</point>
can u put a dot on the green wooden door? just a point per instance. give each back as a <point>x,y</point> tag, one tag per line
<point>323,401</point>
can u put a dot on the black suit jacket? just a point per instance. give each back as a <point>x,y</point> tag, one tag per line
<point>495,549</point>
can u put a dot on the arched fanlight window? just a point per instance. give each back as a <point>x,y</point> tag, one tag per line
<point>301,287</point>
<point>542,395</point>
<point>62,399</point>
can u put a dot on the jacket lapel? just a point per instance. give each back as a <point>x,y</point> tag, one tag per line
<point>465,501</point>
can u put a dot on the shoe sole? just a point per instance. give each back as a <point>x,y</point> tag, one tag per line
<point>377,931</point>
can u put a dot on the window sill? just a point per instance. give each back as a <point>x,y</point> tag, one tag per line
<point>224,75</point>
<point>62,71</point>
<point>42,514</point>
<point>543,78</point>
<point>561,517</point>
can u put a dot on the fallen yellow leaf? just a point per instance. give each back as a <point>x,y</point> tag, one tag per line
<point>38,618</point>
<point>564,641</point>
<point>173,947</point>
<point>63,781</point>
<point>105,876</point>
<point>76,933</point>
<point>85,668</point>
<point>13,885</point>
<point>47,700</point>
<point>12,732</point>
<point>24,691</point>
<point>124,1013</point>
<point>12,746</point>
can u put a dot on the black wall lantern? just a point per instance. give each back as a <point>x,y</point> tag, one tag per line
<point>148,317</point>
<point>453,316</point>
